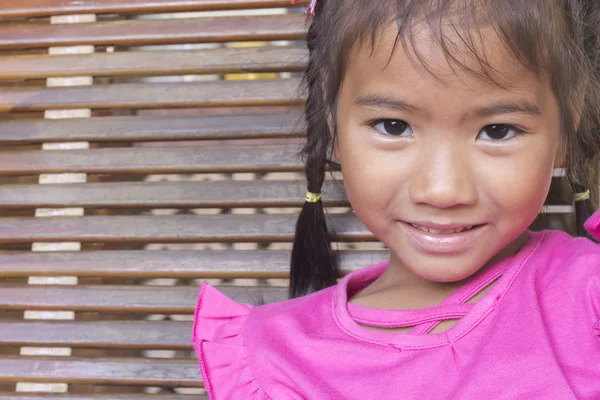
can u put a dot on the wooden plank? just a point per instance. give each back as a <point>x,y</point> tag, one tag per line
<point>197,194</point>
<point>91,334</point>
<point>124,299</point>
<point>160,160</point>
<point>147,63</point>
<point>170,229</point>
<point>59,114</point>
<point>146,128</point>
<point>149,372</point>
<point>268,92</point>
<point>39,8</point>
<point>169,264</point>
<point>57,396</point>
<point>154,32</point>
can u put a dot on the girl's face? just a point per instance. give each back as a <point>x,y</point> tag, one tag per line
<point>446,172</point>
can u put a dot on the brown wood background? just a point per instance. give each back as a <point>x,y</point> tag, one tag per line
<point>147,146</point>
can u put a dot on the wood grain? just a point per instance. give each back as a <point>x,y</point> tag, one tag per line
<point>161,160</point>
<point>124,299</point>
<point>39,8</point>
<point>268,92</point>
<point>154,32</point>
<point>148,63</point>
<point>154,128</point>
<point>196,194</point>
<point>155,372</point>
<point>91,334</point>
<point>169,264</point>
<point>171,229</point>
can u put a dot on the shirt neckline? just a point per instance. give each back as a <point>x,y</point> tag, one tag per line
<point>454,306</point>
<point>509,268</point>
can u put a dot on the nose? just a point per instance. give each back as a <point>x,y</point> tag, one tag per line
<point>443,176</point>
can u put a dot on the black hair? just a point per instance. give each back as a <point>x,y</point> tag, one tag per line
<point>313,265</point>
<point>556,38</point>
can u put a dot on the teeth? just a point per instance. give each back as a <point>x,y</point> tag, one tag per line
<point>438,231</point>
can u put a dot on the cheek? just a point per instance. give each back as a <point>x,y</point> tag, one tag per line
<point>371,181</point>
<point>363,177</point>
<point>520,188</point>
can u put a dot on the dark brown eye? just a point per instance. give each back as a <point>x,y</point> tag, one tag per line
<point>499,132</point>
<point>393,127</point>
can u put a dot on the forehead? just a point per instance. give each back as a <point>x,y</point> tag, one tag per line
<point>486,65</point>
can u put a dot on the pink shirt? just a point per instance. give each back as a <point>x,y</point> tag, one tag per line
<point>534,335</point>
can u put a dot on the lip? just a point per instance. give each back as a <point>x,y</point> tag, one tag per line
<point>442,243</point>
<point>441,227</point>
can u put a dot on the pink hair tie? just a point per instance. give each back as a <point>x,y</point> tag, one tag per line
<point>311,7</point>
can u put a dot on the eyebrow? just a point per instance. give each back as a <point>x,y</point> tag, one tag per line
<point>379,101</point>
<point>397,104</point>
<point>509,107</point>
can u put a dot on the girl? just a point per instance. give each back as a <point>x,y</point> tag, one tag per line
<point>447,119</point>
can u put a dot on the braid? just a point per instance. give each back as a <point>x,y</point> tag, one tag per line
<point>587,142</point>
<point>313,266</point>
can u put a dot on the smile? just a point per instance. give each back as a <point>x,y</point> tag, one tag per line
<point>442,231</point>
<point>442,239</point>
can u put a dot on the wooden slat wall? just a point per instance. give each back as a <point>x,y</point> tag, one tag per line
<point>205,61</point>
<point>192,175</point>
<point>181,264</point>
<point>166,121</point>
<point>36,8</point>
<point>227,29</point>
<point>151,128</point>
<point>163,95</point>
<point>51,179</point>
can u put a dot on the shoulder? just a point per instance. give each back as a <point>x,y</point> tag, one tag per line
<point>559,255</point>
<point>309,310</point>
<point>558,250</point>
<point>226,335</point>
<point>568,269</point>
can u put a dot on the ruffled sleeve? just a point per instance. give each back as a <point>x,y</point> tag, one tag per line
<point>592,225</point>
<point>218,338</point>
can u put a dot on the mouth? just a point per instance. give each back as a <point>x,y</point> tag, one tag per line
<point>443,239</point>
<point>443,231</point>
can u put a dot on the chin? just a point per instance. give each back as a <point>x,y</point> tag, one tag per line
<point>446,268</point>
<point>445,273</point>
<point>450,276</point>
